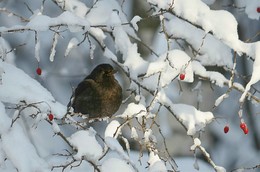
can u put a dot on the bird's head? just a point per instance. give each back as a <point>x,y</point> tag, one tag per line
<point>103,73</point>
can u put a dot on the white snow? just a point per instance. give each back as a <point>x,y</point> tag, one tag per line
<point>113,129</point>
<point>134,133</point>
<point>7,57</point>
<point>114,145</point>
<point>219,55</point>
<point>220,169</point>
<point>121,165</point>
<point>101,12</point>
<point>98,34</point>
<point>133,110</point>
<point>215,77</point>
<point>92,51</point>
<point>251,7</point>
<point>25,88</point>
<point>161,4</point>
<point>72,44</point>
<point>171,64</point>
<point>137,98</point>
<point>213,21</point>
<point>134,22</point>
<point>5,121</point>
<point>37,48</point>
<point>220,99</point>
<point>17,146</point>
<point>192,22</point>
<point>55,127</point>
<point>86,144</point>
<point>42,22</point>
<point>133,60</point>
<point>75,6</point>
<point>53,47</point>
<point>149,138</point>
<point>197,143</point>
<point>193,119</point>
<point>256,70</point>
<point>209,2</point>
<point>109,54</point>
<point>156,164</point>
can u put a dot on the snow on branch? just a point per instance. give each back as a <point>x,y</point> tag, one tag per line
<point>211,22</point>
<point>202,19</point>
<point>80,139</point>
<point>192,119</point>
<point>194,40</point>
<point>179,29</point>
<point>180,61</point>
<point>16,81</point>
<point>14,143</point>
<point>41,22</point>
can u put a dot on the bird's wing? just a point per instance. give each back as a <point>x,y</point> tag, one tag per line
<point>85,85</point>
<point>85,97</point>
<point>86,90</point>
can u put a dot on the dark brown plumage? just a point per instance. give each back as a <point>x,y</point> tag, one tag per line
<point>99,94</point>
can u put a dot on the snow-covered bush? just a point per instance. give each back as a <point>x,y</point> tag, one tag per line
<point>47,47</point>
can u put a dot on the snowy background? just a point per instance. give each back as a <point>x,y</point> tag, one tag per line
<point>189,70</point>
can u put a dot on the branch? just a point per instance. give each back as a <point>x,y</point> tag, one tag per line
<point>246,168</point>
<point>9,13</point>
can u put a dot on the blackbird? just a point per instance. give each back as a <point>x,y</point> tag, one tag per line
<point>98,95</point>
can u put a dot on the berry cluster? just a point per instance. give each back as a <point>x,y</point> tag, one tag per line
<point>243,126</point>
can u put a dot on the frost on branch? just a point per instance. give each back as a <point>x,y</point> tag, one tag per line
<point>196,49</point>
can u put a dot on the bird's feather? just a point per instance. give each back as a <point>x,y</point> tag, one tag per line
<point>98,95</point>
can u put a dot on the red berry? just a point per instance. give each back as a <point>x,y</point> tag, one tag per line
<point>258,9</point>
<point>39,71</point>
<point>246,130</point>
<point>243,125</point>
<point>50,116</point>
<point>182,76</point>
<point>226,129</point>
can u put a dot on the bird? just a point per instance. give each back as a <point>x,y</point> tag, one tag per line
<point>99,95</point>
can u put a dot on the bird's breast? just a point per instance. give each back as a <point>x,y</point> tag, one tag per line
<point>111,98</point>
